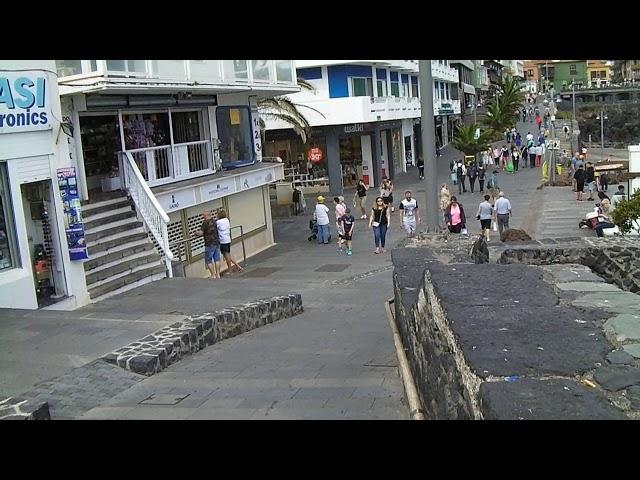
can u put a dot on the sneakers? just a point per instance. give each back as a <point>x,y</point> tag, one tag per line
<point>349,252</point>
<point>363,217</point>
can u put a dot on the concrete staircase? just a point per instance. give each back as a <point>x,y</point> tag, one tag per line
<point>121,255</point>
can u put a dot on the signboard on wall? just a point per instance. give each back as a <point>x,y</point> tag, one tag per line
<point>315,155</point>
<point>218,189</point>
<point>68,186</point>
<point>24,102</point>
<point>256,179</point>
<point>177,200</point>
<point>255,123</point>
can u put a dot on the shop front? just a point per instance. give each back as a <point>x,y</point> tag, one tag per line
<point>37,268</point>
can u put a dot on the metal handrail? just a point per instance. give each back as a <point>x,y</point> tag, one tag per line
<point>190,239</point>
<point>244,254</point>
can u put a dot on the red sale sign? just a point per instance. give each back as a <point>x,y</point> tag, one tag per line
<point>315,155</point>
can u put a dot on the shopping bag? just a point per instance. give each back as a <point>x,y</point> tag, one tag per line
<point>495,226</point>
<point>454,178</point>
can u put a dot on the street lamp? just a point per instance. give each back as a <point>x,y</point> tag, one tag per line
<point>602,117</point>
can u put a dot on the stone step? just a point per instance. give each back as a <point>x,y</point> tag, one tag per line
<point>123,240</point>
<point>95,208</point>
<point>148,272</point>
<point>97,224</point>
<point>113,233</point>
<point>106,258</point>
<point>106,214</point>
<point>117,268</point>
<point>104,197</point>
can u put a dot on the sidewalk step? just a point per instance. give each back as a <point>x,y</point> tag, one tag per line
<point>127,264</point>
<point>126,280</point>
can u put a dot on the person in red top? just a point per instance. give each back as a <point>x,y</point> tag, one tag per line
<point>538,120</point>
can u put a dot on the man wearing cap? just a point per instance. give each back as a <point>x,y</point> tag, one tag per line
<point>503,212</point>
<point>321,216</point>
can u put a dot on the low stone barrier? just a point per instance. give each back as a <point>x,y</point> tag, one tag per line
<point>15,408</point>
<point>155,352</point>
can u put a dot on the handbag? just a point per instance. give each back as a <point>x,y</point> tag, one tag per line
<point>495,226</point>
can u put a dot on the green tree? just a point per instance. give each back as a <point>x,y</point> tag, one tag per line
<point>626,215</point>
<point>464,139</point>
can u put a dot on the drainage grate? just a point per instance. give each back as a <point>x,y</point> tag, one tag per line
<point>261,272</point>
<point>333,267</point>
<point>163,399</point>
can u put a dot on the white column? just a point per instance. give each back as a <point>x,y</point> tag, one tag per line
<point>375,81</point>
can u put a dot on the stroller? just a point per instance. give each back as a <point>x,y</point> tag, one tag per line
<point>313,226</point>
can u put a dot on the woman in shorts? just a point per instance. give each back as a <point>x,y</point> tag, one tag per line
<point>224,232</point>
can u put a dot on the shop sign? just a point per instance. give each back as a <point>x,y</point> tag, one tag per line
<point>218,189</point>
<point>315,155</point>
<point>177,200</point>
<point>445,109</point>
<point>256,179</point>
<point>356,127</point>
<point>24,102</point>
<point>68,186</point>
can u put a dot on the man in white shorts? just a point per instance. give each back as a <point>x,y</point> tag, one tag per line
<point>408,210</point>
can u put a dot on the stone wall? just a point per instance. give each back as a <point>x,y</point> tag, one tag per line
<point>155,352</point>
<point>481,346</point>
<point>616,260</point>
<point>14,408</point>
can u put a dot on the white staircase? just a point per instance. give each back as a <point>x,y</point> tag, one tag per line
<point>121,254</point>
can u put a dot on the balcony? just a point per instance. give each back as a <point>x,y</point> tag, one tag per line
<point>443,72</point>
<point>277,75</point>
<point>182,161</point>
<point>340,111</point>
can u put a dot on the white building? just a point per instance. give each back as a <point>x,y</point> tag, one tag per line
<point>363,114</point>
<point>180,136</point>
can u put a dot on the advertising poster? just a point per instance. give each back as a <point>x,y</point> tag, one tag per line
<point>72,213</point>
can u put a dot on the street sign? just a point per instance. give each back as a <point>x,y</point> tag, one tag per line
<point>315,155</point>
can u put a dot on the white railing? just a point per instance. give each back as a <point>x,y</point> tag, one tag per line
<point>192,158</point>
<point>170,163</point>
<point>155,163</point>
<point>153,215</point>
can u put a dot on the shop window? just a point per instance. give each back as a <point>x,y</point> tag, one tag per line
<point>8,244</point>
<point>361,87</point>
<point>187,126</point>
<point>283,71</point>
<point>100,136</point>
<point>146,130</point>
<point>395,88</point>
<point>261,70</point>
<point>66,68</point>
<point>235,134</point>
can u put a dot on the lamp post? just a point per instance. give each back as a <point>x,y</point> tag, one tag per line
<point>432,219</point>
<point>602,117</point>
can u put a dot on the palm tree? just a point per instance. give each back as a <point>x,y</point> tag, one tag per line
<point>464,139</point>
<point>282,108</point>
<point>497,117</point>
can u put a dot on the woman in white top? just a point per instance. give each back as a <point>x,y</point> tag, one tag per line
<point>224,232</point>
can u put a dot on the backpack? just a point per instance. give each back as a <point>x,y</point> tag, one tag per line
<point>459,171</point>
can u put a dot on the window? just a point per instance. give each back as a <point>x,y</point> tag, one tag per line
<point>235,70</point>
<point>414,89</point>
<point>448,91</point>
<point>261,70</point>
<point>235,134</point>
<point>129,66</point>
<point>187,126</point>
<point>405,89</point>
<point>93,65</point>
<point>572,70</point>
<point>436,90</point>
<point>283,71</point>
<point>594,75</point>
<point>395,88</point>
<point>361,87</point>
<point>66,68</point>
<point>382,88</point>
<point>8,244</point>
<point>442,88</point>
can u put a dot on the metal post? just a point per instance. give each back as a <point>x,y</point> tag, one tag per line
<point>602,135</point>
<point>432,218</point>
<point>573,123</point>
